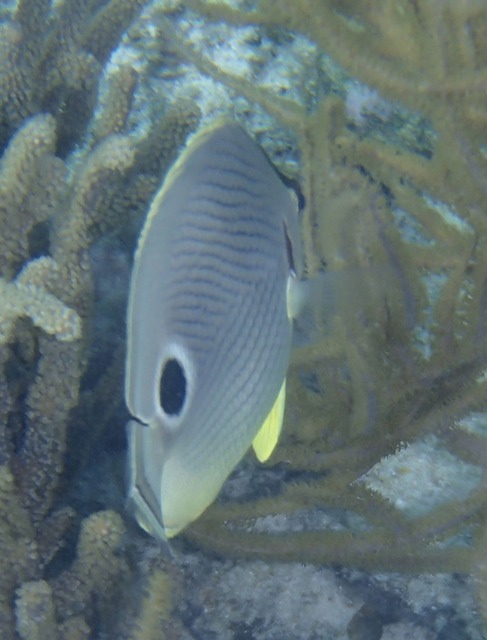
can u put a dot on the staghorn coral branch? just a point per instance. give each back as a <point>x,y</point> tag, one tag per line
<point>24,297</point>
<point>52,212</point>
<point>35,611</point>
<point>31,182</point>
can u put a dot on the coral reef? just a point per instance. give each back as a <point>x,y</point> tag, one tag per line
<point>387,138</point>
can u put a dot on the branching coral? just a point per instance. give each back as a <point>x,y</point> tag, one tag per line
<point>72,171</point>
<point>24,298</point>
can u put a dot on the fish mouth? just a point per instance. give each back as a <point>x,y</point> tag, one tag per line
<point>143,501</point>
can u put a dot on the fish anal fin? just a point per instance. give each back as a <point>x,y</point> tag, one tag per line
<point>266,439</point>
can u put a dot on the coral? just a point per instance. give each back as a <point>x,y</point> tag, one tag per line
<point>98,567</point>
<point>117,103</point>
<point>35,611</point>
<point>22,297</point>
<point>157,606</point>
<point>31,182</point>
<point>74,171</point>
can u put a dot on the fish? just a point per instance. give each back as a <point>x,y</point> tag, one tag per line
<point>213,294</point>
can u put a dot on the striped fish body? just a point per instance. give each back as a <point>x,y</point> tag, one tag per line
<point>209,334</point>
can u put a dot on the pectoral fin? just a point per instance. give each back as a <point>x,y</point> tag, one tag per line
<point>266,440</point>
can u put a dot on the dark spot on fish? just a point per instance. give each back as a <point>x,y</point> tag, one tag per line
<point>172,387</point>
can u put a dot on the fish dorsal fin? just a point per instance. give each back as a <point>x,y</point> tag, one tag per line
<point>268,435</point>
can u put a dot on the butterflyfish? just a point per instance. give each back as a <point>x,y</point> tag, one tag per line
<point>210,314</point>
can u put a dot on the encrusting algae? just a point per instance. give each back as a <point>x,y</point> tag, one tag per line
<point>398,212</point>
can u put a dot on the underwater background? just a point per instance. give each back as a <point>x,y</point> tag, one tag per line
<point>370,519</point>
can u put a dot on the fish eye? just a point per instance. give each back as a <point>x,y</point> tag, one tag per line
<point>172,387</point>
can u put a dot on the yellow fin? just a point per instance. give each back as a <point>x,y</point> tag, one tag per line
<point>266,440</point>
